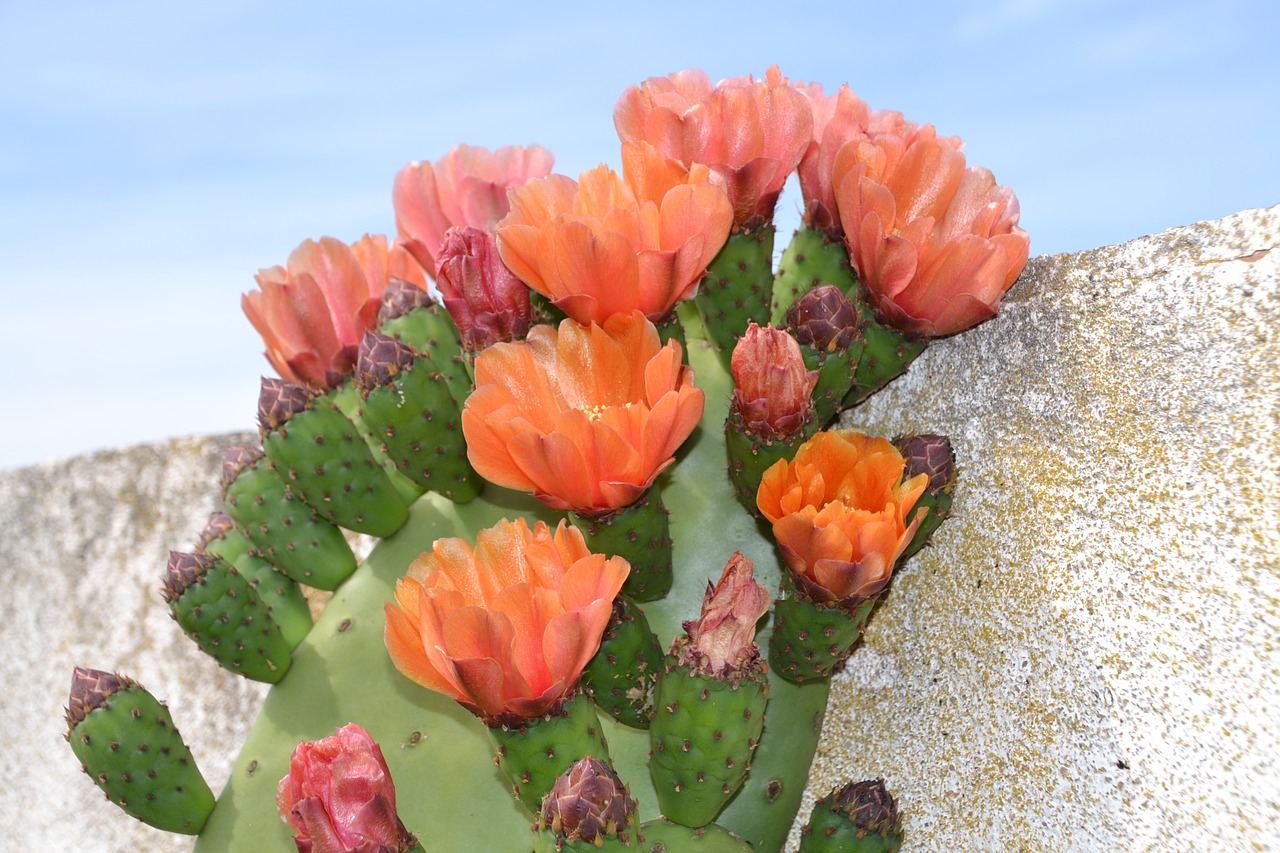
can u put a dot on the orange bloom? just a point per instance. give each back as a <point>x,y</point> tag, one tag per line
<point>838,511</point>
<point>467,186</point>
<point>607,245</point>
<point>585,417</point>
<point>936,244</point>
<point>750,132</point>
<point>504,627</point>
<point>313,314</point>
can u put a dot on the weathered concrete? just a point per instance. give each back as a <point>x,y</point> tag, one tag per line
<point>1088,659</point>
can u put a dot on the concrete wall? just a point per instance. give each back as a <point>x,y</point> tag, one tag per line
<point>1087,659</point>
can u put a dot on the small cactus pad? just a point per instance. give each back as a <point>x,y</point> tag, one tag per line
<point>639,533</point>
<point>621,676</point>
<point>128,745</point>
<point>859,817</point>
<point>738,288</point>
<point>810,259</point>
<point>318,451</point>
<point>663,836</point>
<point>218,608</point>
<point>533,754</point>
<point>810,640</point>
<point>703,733</point>
<point>285,530</point>
<point>409,315</point>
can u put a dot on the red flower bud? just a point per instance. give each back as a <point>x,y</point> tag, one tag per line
<point>487,302</point>
<point>339,797</point>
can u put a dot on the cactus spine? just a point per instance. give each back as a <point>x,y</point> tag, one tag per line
<point>128,745</point>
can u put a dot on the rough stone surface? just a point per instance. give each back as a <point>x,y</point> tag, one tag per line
<point>1087,659</point>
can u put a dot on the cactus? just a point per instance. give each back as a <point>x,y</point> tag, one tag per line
<point>663,836</point>
<point>287,532</point>
<point>810,259</point>
<point>859,817</point>
<point>640,533</point>
<point>128,745</point>
<point>284,600</point>
<point>621,676</point>
<point>407,405</point>
<point>411,316</point>
<point>318,450</point>
<point>737,288</point>
<point>932,455</point>
<point>810,640</point>
<point>826,324</point>
<point>221,611</point>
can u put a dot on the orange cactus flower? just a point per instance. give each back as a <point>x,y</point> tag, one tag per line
<point>935,243</point>
<point>504,627</point>
<point>467,186</point>
<point>584,417</point>
<point>607,245</point>
<point>838,512</point>
<point>313,313</point>
<point>750,132</point>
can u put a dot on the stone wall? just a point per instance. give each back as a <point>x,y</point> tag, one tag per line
<point>1087,659</point>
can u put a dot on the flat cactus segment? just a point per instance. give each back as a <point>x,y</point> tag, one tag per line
<point>431,330</point>
<point>285,530</point>
<point>810,259</point>
<point>441,753</point>
<point>738,288</point>
<point>622,674</point>
<point>284,600</point>
<point>533,755</point>
<point>218,608</point>
<point>749,456</point>
<point>703,733</point>
<point>859,817</point>
<point>321,453</point>
<point>810,641</point>
<point>641,534</point>
<point>663,836</point>
<point>886,354</point>
<point>129,746</point>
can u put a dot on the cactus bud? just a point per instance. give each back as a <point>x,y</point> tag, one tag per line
<point>588,803</point>
<point>400,298</point>
<point>278,401</point>
<point>860,816</point>
<point>235,461</point>
<point>825,319</point>
<point>485,299</point>
<point>771,383</point>
<point>381,359</point>
<point>930,455</point>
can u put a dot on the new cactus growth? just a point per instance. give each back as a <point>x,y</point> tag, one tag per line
<point>641,534</point>
<point>663,836</point>
<point>812,258</point>
<point>738,288</point>
<point>411,316</point>
<point>318,451</point>
<point>858,817</point>
<point>710,701</point>
<point>284,600</point>
<point>621,676</point>
<point>286,531</point>
<point>588,808</point>
<point>128,745</point>
<point>408,407</point>
<point>221,611</point>
<point>533,752</point>
<point>825,324</point>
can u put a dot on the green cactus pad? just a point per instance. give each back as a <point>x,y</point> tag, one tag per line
<point>663,836</point>
<point>737,288</point>
<point>284,600</point>
<point>286,531</point>
<point>219,609</point>
<point>703,734</point>
<point>321,454</point>
<point>886,354</point>
<point>621,676</point>
<point>750,456</point>
<point>418,424</point>
<point>835,378</point>
<point>533,755</point>
<point>641,534</point>
<point>860,817</point>
<point>439,751</point>
<point>810,259</point>
<point>131,749</point>
<point>809,640</point>
<point>431,331</point>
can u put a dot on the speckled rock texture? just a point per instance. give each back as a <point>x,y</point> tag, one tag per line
<point>1088,658</point>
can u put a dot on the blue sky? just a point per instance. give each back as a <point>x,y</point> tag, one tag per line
<point>154,155</point>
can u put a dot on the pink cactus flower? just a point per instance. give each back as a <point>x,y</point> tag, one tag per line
<point>487,302</point>
<point>467,186</point>
<point>772,385</point>
<point>339,798</point>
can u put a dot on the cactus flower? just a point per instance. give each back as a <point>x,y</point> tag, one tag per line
<point>338,797</point>
<point>609,244</point>
<point>487,302</point>
<point>313,313</point>
<point>722,638</point>
<point>583,417</point>
<point>750,132</point>
<point>935,244</point>
<point>504,627</point>
<point>838,512</point>
<point>467,186</point>
<point>771,383</point>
